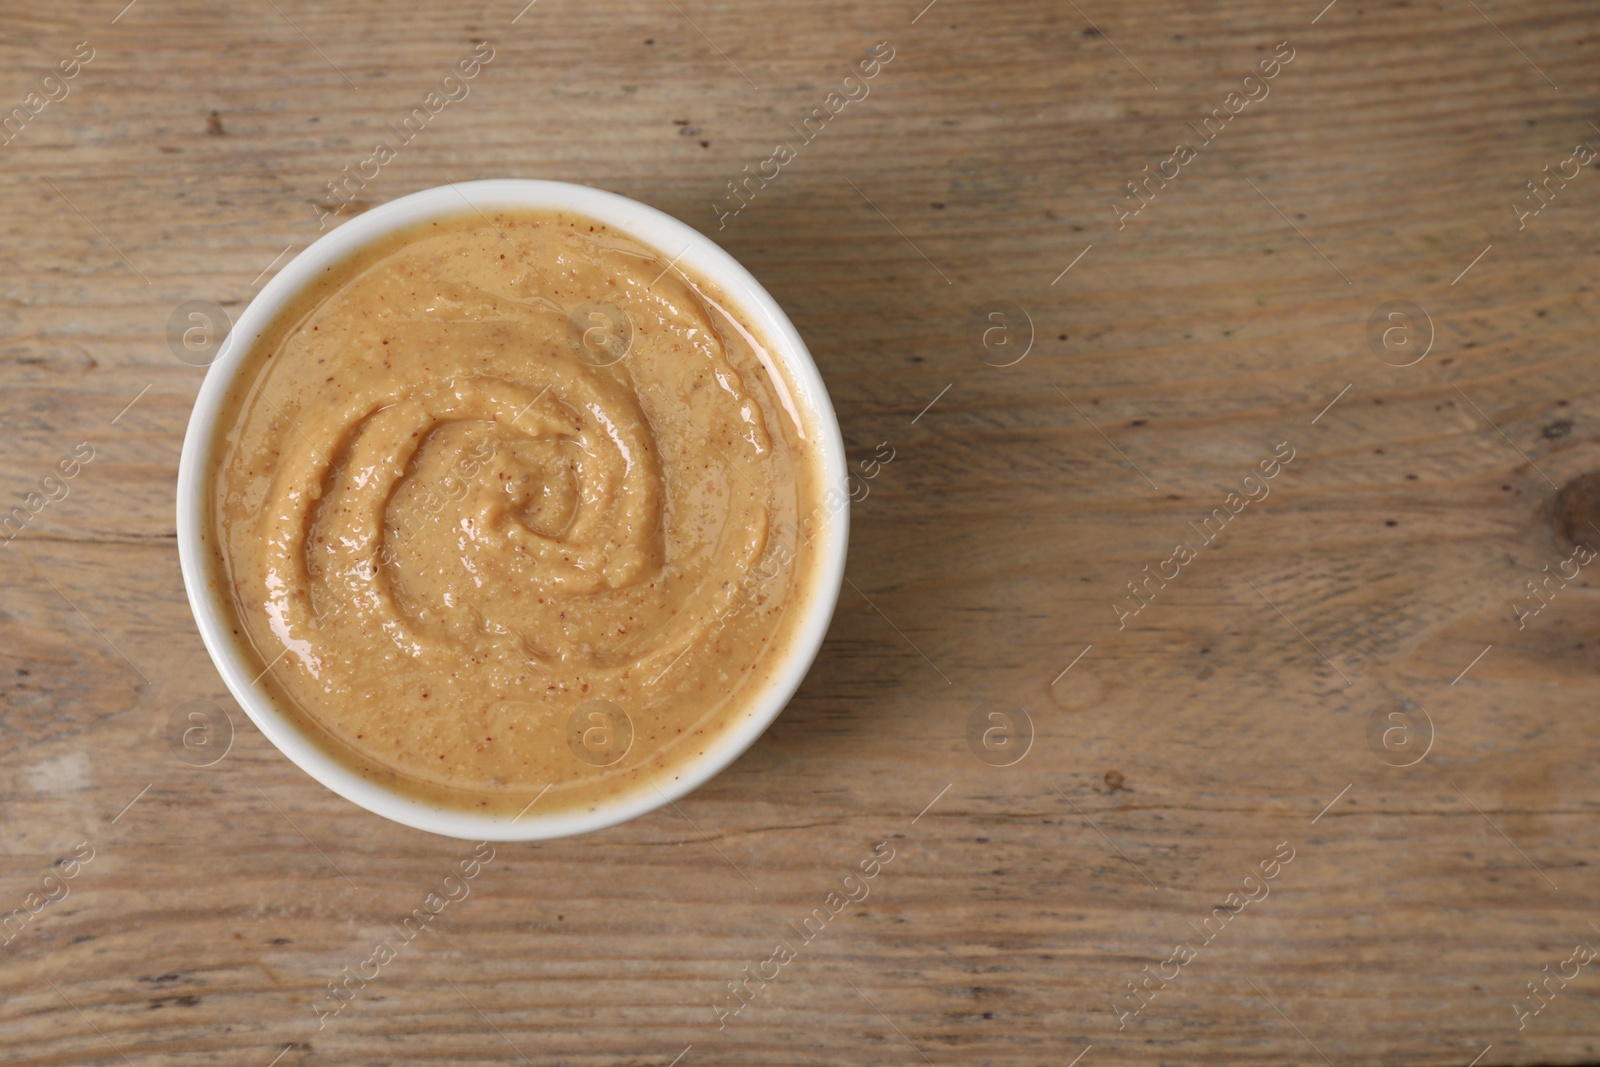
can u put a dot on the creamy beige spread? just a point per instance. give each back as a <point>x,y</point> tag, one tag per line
<point>510,502</point>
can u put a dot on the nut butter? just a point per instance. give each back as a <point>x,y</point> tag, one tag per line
<point>507,507</point>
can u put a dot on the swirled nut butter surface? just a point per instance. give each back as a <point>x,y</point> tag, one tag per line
<point>508,502</point>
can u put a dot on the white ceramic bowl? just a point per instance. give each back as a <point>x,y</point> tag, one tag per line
<point>700,257</point>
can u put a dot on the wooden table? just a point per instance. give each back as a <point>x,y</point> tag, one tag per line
<point>1345,666</point>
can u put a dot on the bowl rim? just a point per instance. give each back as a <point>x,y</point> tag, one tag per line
<point>701,258</point>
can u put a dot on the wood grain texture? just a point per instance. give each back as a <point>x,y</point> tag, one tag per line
<point>1172,758</point>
